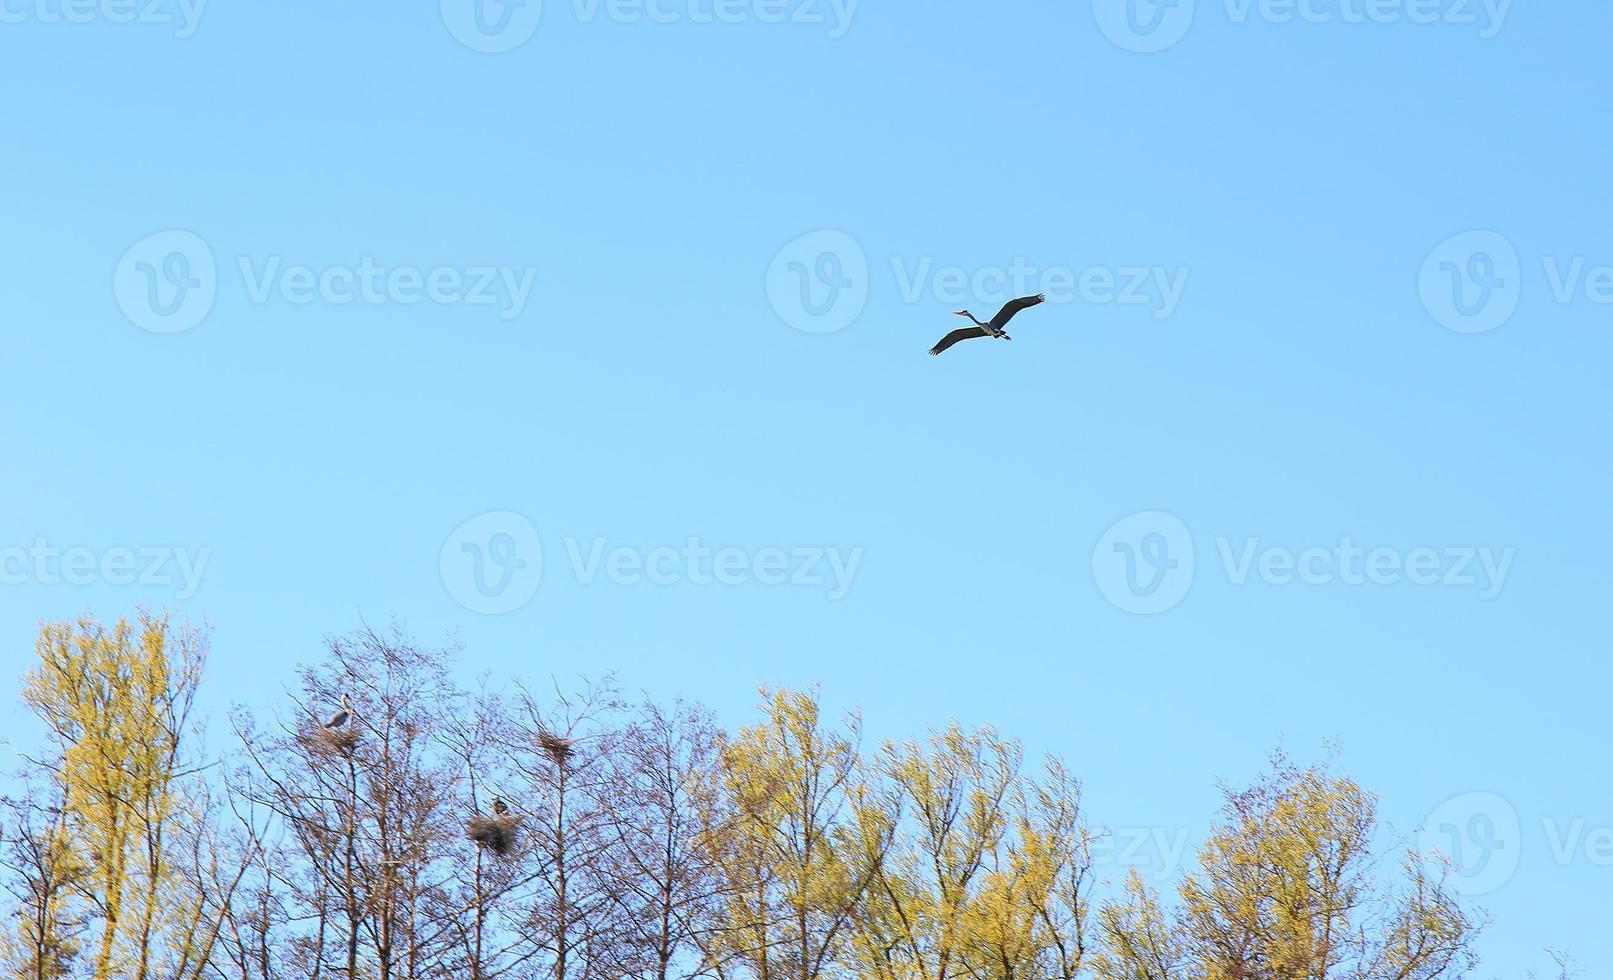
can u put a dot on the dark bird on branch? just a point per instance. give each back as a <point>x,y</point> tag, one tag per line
<point>341,717</point>
<point>500,807</point>
<point>993,329</point>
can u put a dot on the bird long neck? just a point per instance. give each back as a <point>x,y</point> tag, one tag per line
<point>972,319</point>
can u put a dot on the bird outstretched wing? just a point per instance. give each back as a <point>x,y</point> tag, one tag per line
<point>962,333</point>
<point>1012,307</point>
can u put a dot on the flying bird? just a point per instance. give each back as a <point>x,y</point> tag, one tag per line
<point>341,717</point>
<point>992,329</point>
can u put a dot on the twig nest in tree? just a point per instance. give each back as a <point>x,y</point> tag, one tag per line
<point>496,834</point>
<point>558,747</point>
<point>323,740</point>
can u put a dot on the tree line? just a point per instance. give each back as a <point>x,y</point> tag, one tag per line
<point>568,833</point>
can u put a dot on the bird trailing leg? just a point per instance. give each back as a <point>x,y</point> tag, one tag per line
<point>993,329</point>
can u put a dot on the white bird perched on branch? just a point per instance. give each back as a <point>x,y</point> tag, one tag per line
<point>341,717</point>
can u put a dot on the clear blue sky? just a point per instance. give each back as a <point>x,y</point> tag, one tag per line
<point>1302,393</point>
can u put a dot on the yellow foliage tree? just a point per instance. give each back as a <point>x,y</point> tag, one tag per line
<point>987,877</point>
<point>797,837</point>
<point>117,701</point>
<point>1285,891</point>
<point>1139,941</point>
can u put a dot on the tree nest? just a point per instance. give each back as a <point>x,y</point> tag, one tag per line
<point>558,747</point>
<point>321,740</point>
<point>495,833</point>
